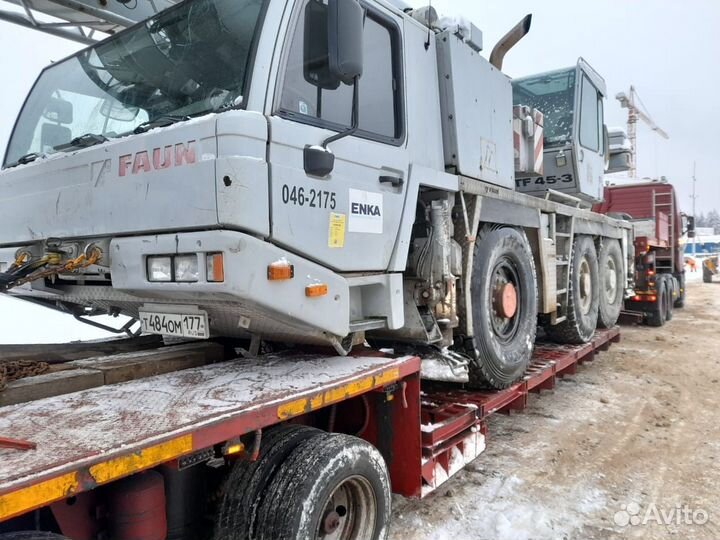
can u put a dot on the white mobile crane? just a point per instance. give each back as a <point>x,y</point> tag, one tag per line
<point>288,172</point>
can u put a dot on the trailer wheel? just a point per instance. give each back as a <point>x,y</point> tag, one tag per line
<point>32,535</point>
<point>583,296</point>
<point>248,480</point>
<point>332,486</point>
<point>658,315</point>
<point>504,307</point>
<point>610,265</point>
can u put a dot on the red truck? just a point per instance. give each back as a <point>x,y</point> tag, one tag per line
<point>659,226</point>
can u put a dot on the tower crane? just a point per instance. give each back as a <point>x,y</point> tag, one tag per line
<point>636,111</point>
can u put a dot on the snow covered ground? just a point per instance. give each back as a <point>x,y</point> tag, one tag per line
<point>634,430</point>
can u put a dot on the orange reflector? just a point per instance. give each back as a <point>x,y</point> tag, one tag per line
<point>234,449</point>
<point>319,289</point>
<point>279,271</point>
<point>215,267</point>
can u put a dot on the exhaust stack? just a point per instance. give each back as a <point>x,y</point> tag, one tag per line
<point>509,40</point>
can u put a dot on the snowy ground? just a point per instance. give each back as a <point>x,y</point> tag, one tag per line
<point>635,431</point>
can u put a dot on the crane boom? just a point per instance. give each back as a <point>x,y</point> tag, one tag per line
<point>632,102</point>
<point>84,21</point>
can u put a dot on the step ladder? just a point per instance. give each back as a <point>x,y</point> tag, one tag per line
<point>665,202</point>
<point>561,231</point>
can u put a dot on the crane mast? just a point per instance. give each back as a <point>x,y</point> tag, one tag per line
<point>636,111</point>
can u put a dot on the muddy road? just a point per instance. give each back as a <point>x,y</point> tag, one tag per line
<point>627,448</point>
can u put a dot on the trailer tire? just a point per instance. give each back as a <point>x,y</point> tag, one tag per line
<point>32,535</point>
<point>583,304</point>
<point>610,266</point>
<point>247,483</point>
<point>658,316</point>
<point>334,483</point>
<point>504,307</point>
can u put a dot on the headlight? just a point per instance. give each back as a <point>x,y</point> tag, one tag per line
<point>186,268</point>
<point>159,268</point>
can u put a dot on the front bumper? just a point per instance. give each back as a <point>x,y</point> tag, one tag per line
<point>247,301</point>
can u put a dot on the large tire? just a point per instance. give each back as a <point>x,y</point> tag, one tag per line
<point>248,480</point>
<point>504,307</point>
<point>680,300</point>
<point>334,483</point>
<point>583,296</point>
<point>707,275</point>
<point>670,292</point>
<point>32,535</point>
<point>610,266</point>
<point>658,315</point>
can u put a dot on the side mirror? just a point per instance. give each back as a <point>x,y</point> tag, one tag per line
<point>606,147</point>
<point>333,48</point>
<point>690,226</point>
<point>318,161</point>
<point>346,19</point>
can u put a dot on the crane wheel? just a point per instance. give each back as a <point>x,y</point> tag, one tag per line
<point>248,480</point>
<point>583,296</point>
<point>331,486</point>
<point>504,307</point>
<point>610,266</point>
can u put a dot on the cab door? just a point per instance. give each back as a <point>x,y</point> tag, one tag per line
<point>348,220</point>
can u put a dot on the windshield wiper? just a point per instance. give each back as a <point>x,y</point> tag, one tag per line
<point>27,158</point>
<point>160,121</point>
<point>83,141</point>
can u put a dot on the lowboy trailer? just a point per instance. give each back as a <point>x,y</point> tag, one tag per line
<point>306,446</point>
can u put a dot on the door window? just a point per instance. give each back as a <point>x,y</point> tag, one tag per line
<point>379,88</point>
<point>590,121</point>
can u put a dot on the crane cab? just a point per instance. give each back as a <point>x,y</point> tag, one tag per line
<point>575,138</point>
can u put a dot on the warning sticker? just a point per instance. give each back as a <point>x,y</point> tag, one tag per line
<point>366,212</point>
<point>336,232</point>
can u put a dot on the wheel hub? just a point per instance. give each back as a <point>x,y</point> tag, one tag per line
<point>504,292</point>
<point>350,512</point>
<point>505,301</point>
<point>611,281</point>
<point>585,286</point>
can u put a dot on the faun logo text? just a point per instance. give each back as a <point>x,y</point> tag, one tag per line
<point>157,159</point>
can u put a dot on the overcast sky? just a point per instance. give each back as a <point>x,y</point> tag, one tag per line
<point>668,49</point>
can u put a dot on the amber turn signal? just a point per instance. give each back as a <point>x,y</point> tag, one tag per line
<point>318,289</point>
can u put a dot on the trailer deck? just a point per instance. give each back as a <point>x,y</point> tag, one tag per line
<point>93,437</point>
<point>426,433</point>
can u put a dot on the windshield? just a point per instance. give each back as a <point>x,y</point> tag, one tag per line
<point>554,95</point>
<point>191,59</point>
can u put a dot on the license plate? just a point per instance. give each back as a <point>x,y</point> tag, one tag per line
<point>190,325</point>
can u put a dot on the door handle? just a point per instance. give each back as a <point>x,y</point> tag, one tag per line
<point>395,181</point>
